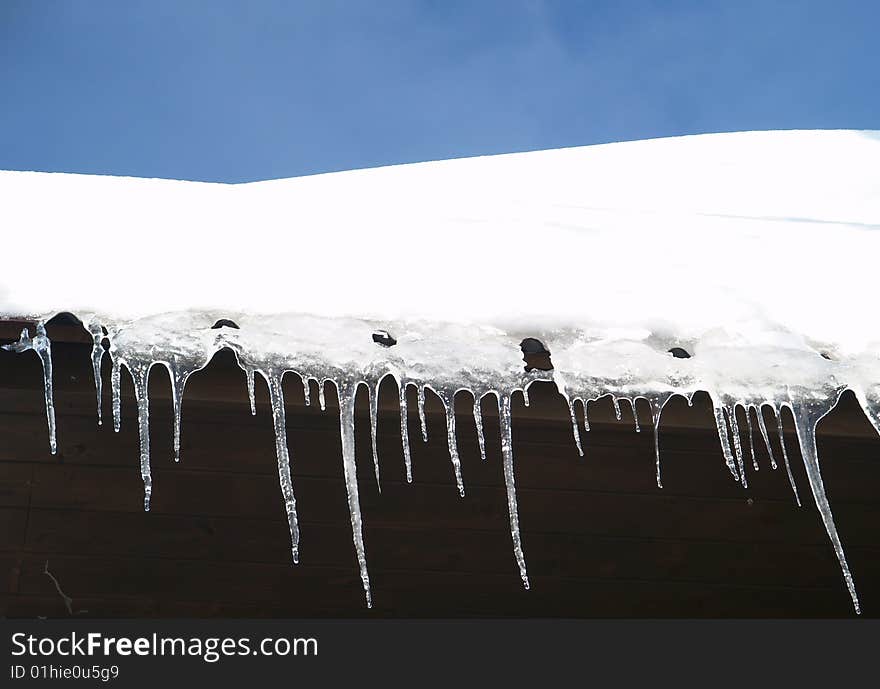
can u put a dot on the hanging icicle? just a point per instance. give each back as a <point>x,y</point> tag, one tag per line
<point>806,417</point>
<point>43,348</point>
<point>504,418</point>
<point>797,498</point>
<point>449,407</point>
<point>347,392</point>
<point>404,430</point>
<point>140,375</point>
<point>97,333</point>
<point>478,422</point>
<point>276,399</point>
<point>374,421</point>
<point>574,428</point>
<point>422,422</point>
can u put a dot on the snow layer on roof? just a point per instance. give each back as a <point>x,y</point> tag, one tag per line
<point>755,252</point>
<point>759,233</point>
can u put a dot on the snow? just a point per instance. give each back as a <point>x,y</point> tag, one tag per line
<point>752,251</point>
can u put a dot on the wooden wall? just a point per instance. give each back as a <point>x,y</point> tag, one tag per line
<point>601,540</point>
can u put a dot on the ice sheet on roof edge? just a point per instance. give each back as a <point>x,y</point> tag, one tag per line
<point>750,351</point>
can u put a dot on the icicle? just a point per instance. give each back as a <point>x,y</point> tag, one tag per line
<point>805,426</point>
<point>42,346</point>
<point>276,398</point>
<point>374,419</point>
<point>140,375</point>
<point>616,403</point>
<point>347,394</point>
<point>306,391</point>
<point>178,383</point>
<point>504,418</point>
<point>449,408</point>
<point>97,358</point>
<point>422,421</point>
<point>249,372</point>
<point>478,421</point>
<point>762,426</point>
<point>655,418</point>
<point>115,388</point>
<point>737,445</point>
<point>525,392</point>
<point>404,431</point>
<point>586,418</point>
<point>785,457</point>
<point>635,413</point>
<point>751,437</point>
<point>321,399</point>
<point>721,425</point>
<point>574,428</point>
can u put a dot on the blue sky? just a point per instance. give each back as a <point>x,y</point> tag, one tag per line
<point>236,91</point>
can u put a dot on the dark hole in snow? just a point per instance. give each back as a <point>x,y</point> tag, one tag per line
<point>104,330</point>
<point>536,355</point>
<point>382,337</point>
<point>225,323</point>
<point>679,353</point>
<point>105,343</point>
<point>826,355</point>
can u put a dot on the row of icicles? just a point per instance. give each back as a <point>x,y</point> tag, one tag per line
<point>725,418</point>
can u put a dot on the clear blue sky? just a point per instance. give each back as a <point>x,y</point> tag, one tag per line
<point>257,89</point>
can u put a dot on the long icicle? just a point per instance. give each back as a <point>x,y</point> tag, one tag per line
<point>748,410</point>
<point>762,426</point>
<point>276,398</point>
<point>452,441</point>
<point>505,419</point>
<point>43,347</point>
<point>178,383</point>
<point>140,375</point>
<point>116,388</point>
<point>721,425</point>
<point>374,421</point>
<point>655,418</point>
<point>737,445</point>
<point>422,421</point>
<point>478,422</point>
<point>794,489</point>
<point>97,358</point>
<point>805,426</point>
<point>307,397</point>
<point>249,373</point>
<point>347,394</point>
<point>404,430</point>
<point>574,428</point>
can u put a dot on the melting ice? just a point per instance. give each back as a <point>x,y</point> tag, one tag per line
<point>755,252</point>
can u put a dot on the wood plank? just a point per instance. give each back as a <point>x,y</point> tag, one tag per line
<point>305,591</point>
<point>468,550</point>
